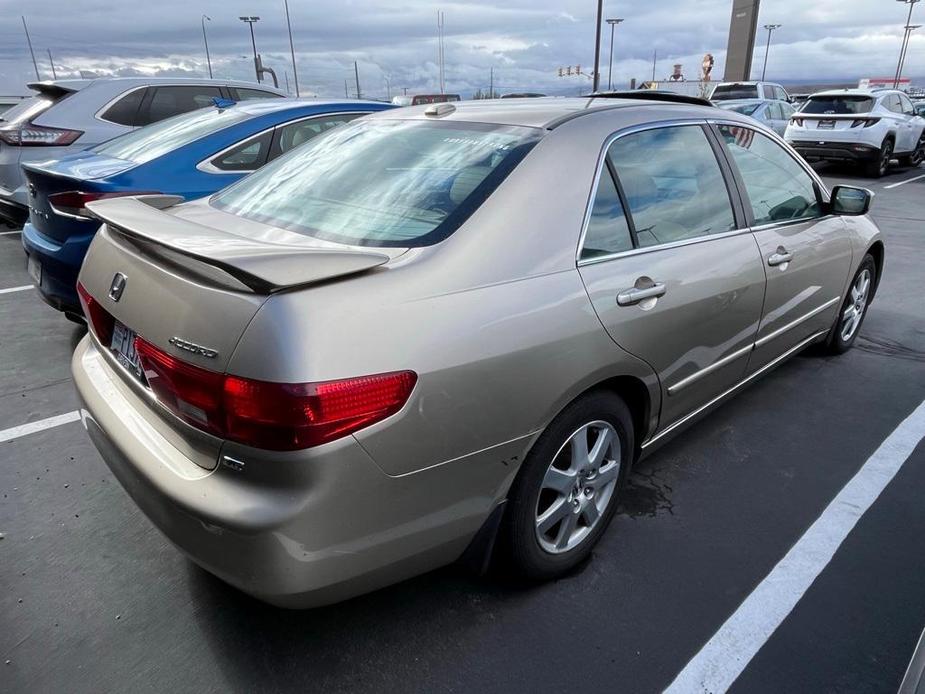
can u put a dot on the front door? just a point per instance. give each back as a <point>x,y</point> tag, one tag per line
<point>806,254</point>
<point>672,277</point>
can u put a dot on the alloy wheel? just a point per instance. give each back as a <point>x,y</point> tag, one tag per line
<point>577,487</point>
<point>918,156</point>
<point>852,315</point>
<point>885,155</point>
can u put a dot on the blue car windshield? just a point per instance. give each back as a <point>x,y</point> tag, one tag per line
<point>400,183</point>
<point>165,136</point>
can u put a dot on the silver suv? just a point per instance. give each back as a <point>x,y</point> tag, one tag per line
<point>69,115</point>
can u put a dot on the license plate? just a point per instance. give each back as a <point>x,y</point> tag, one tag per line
<point>826,125</point>
<point>34,268</point>
<point>123,346</point>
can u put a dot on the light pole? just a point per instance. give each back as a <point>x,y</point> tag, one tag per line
<point>388,86</point>
<point>613,23</point>
<point>902,50</point>
<point>206,41</point>
<point>596,76</point>
<point>767,48</point>
<point>902,61</point>
<point>250,22</point>
<point>295,71</point>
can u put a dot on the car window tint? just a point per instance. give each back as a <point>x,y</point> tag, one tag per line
<point>295,134</point>
<point>245,94</point>
<point>170,101</point>
<point>125,110</point>
<point>608,231</point>
<point>778,188</point>
<point>247,156</point>
<point>673,184</point>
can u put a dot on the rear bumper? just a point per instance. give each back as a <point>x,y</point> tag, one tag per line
<point>836,151</point>
<point>60,266</point>
<point>295,529</point>
<point>12,211</point>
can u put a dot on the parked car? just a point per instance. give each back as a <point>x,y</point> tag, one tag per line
<point>65,116</point>
<point>190,155</point>
<point>772,114</point>
<point>724,91</point>
<point>416,334</point>
<point>866,127</point>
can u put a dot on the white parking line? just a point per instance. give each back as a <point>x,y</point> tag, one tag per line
<point>10,233</point>
<point>727,654</point>
<point>40,425</point>
<point>10,290</point>
<point>902,183</point>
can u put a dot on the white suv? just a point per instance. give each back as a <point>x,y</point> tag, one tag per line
<point>866,126</point>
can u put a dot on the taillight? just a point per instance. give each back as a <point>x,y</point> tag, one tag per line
<point>797,122</point>
<point>98,318</point>
<point>271,416</point>
<point>38,136</point>
<point>864,122</point>
<point>72,203</point>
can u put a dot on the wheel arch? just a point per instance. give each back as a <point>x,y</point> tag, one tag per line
<point>877,250</point>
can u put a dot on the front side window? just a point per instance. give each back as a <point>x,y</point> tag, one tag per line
<point>906,105</point>
<point>673,184</point>
<point>399,183</point>
<point>245,94</point>
<point>777,187</point>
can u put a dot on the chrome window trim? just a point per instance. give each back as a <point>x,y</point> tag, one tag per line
<point>767,367</point>
<point>601,165</point>
<point>208,167</point>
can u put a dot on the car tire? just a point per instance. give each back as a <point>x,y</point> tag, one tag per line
<point>557,482</point>
<point>917,156</point>
<point>879,167</point>
<point>854,308</point>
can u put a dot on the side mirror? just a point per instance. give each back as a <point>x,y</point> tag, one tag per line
<point>850,200</point>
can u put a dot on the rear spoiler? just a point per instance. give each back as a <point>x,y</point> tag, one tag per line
<point>261,266</point>
<point>52,89</point>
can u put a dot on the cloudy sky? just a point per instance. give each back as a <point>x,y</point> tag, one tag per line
<point>525,41</point>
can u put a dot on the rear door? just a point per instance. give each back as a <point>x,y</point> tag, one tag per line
<point>805,253</point>
<point>671,273</point>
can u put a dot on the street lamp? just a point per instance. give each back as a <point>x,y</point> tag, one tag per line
<point>767,48</point>
<point>902,60</point>
<point>251,21</point>
<point>206,41</point>
<point>902,50</point>
<point>596,76</point>
<point>613,23</point>
<point>295,70</point>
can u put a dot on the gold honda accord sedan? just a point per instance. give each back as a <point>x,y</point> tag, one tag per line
<point>451,329</point>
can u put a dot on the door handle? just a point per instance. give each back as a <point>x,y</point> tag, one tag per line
<point>780,257</point>
<point>630,297</point>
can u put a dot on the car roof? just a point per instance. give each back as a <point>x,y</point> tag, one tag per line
<point>78,84</point>
<point>540,112</point>
<point>259,107</point>
<point>855,92</point>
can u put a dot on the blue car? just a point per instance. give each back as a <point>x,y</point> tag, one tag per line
<point>191,155</point>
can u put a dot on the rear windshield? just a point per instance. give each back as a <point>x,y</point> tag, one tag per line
<point>159,138</point>
<point>735,91</point>
<point>401,183</point>
<point>844,104</point>
<point>745,109</point>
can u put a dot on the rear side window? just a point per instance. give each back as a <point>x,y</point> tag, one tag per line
<point>294,134</point>
<point>608,231</point>
<point>673,185</point>
<point>125,110</point>
<point>777,187</point>
<point>171,101</point>
<point>838,104</point>
<point>247,156</point>
<point>400,183</point>
<point>245,94</point>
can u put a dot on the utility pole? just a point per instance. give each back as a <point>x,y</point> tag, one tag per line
<point>491,84</point>
<point>388,86</point>
<point>902,50</point>
<point>596,77</point>
<point>205,40</point>
<point>346,93</point>
<point>613,23</point>
<point>251,20</point>
<point>29,41</point>
<point>286,77</point>
<point>54,75</point>
<point>654,58</point>
<point>295,70</point>
<point>902,59</point>
<point>356,73</point>
<point>440,63</point>
<point>767,48</point>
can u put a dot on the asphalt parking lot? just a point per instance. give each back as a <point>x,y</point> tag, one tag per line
<point>93,599</point>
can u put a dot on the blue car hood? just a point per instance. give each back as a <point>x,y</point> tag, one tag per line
<point>82,165</point>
